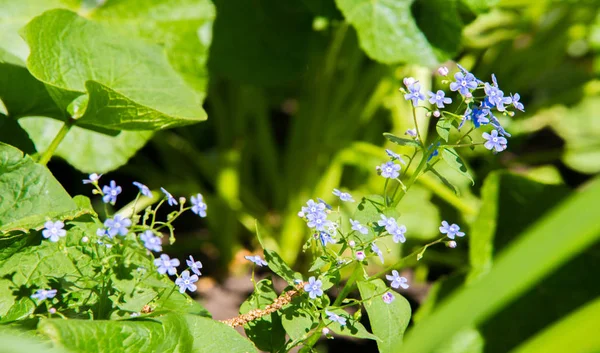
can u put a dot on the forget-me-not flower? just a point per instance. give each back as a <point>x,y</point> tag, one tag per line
<point>414,94</point>
<point>396,280</point>
<point>170,199</point>
<point>110,192</point>
<point>336,318</point>
<point>394,156</point>
<point>151,241</point>
<point>451,230</point>
<point>54,231</point>
<point>117,225</point>
<point>317,220</point>
<point>388,222</point>
<point>326,238</point>
<point>376,250</point>
<point>144,190</point>
<point>496,96</point>
<point>515,102</point>
<point>166,265</point>
<point>388,297</point>
<point>411,132</point>
<point>93,178</point>
<point>398,234</point>
<point>439,98</point>
<point>313,287</point>
<point>358,227</point>
<point>344,196</point>
<point>312,207</point>
<point>389,170</point>
<point>194,265</point>
<point>494,142</point>
<point>43,294</point>
<point>198,205</point>
<point>464,83</point>
<point>186,282</point>
<point>257,260</point>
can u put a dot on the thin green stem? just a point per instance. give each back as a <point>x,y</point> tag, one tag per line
<point>414,111</point>
<point>45,158</point>
<point>465,144</point>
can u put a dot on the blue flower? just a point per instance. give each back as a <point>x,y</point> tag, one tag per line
<point>117,225</point>
<point>496,124</point>
<point>151,241</point>
<point>111,192</point>
<point>464,83</point>
<point>396,280</point>
<point>439,98</point>
<point>344,196</point>
<point>257,260</point>
<point>389,170</point>
<point>143,189</point>
<point>166,264</point>
<point>198,205</point>
<point>170,199</point>
<point>313,287</point>
<point>326,238</point>
<point>195,266</point>
<point>394,156</point>
<point>435,151</point>
<point>93,178</point>
<point>398,234</point>
<point>494,142</point>
<point>451,230</point>
<point>414,94</point>
<point>44,294</point>
<point>317,220</point>
<point>54,230</point>
<point>496,97</point>
<point>388,297</point>
<point>479,115</point>
<point>412,133</point>
<point>358,227</point>
<point>376,250</point>
<point>312,208</point>
<point>336,318</point>
<point>186,282</point>
<point>328,206</point>
<point>389,223</point>
<point>515,102</point>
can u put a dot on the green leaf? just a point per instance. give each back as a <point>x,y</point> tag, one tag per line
<point>419,214</point>
<point>450,156</point>
<point>510,203</point>
<point>330,279</point>
<point>445,36</point>
<point>580,129</point>
<point>443,127</point>
<point>15,341</point>
<point>479,6</point>
<point>297,320</point>
<point>507,279</point>
<point>444,180</point>
<point>212,336</point>
<point>167,333</point>
<point>388,321</point>
<point>261,42</point>
<point>575,333</point>
<point>401,141</point>
<point>277,265</point>
<point>369,211</point>
<point>352,328</point>
<point>387,31</point>
<point>97,152</point>
<point>465,341</point>
<point>130,83</point>
<point>30,194</point>
<point>267,333</point>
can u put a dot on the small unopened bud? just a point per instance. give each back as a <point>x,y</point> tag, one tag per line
<point>52,311</point>
<point>451,244</point>
<point>352,243</point>
<point>360,255</point>
<point>301,214</point>
<point>182,200</point>
<point>409,81</point>
<point>411,132</point>
<point>325,331</point>
<point>443,71</point>
<point>436,113</point>
<point>85,239</point>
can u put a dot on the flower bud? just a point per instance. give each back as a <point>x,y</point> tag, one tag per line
<point>451,244</point>
<point>85,239</point>
<point>360,255</point>
<point>325,331</point>
<point>52,311</point>
<point>436,113</point>
<point>351,243</point>
<point>443,71</point>
<point>408,81</point>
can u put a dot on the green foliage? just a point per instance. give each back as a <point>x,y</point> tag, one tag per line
<point>452,158</point>
<point>388,321</point>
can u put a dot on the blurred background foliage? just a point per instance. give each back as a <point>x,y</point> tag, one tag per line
<point>298,94</point>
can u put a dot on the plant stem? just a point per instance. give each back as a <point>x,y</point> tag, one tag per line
<point>417,126</point>
<point>45,158</point>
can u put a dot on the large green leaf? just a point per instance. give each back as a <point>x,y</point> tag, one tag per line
<point>352,328</point>
<point>212,336</point>
<point>280,267</point>
<point>29,192</point>
<point>445,35</point>
<point>297,320</point>
<point>167,333</point>
<point>387,31</point>
<point>261,42</point>
<point>542,249</point>
<point>388,321</point>
<point>96,152</point>
<point>130,84</point>
<point>509,204</point>
<point>267,333</point>
<point>16,341</point>
<point>450,156</point>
